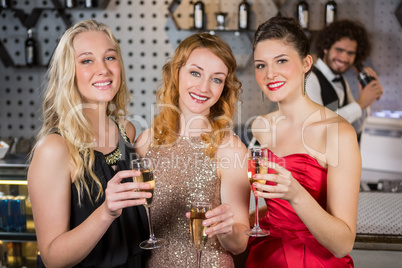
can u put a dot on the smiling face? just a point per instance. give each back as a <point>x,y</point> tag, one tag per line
<point>201,82</point>
<point>97,67</point>
<point>279,70</point>
<point>341,55</point>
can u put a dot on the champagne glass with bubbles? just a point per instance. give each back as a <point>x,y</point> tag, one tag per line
<point>144,165</point>
<point>254,157</point>
<point>198,236</point>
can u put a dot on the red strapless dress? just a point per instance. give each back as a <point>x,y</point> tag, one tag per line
<point>290,243</point>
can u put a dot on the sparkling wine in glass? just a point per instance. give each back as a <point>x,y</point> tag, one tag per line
<point>144,165</point>
<point>198,236</point>
<point>254,156</point>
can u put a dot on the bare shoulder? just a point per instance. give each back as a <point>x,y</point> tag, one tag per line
<point>335,125</point>
<point>231,159</point>
<point>143,142</point>
<point>262,122</point>
<point>262,127</point>
<point>347,134</point>
<point>231,147</point>
<point>51,154</point>
<point>323,137</point>
<point>52,146</point>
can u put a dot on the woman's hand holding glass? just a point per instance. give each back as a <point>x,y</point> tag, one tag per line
<point>198,227</point>
<point>255,155</point>
<point>145,166</point>
<point>219,220</point>
<point>280,183</point>
<point>120,195</point>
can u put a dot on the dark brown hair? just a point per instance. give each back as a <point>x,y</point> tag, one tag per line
<point>340,29</point>
<point>286,29</point>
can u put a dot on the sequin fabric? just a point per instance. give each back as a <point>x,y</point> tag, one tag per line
<point>183,173</point>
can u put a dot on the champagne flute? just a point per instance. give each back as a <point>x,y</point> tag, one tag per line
<point>145,166</point>
<point>198,236</point>
<point>254,156</point>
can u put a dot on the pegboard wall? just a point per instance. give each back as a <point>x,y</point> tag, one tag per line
<point>148,37</point>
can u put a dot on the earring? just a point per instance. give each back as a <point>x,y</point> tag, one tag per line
<point>262,96</point>
<point>304,85</point>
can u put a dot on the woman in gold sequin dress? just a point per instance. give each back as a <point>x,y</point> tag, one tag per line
<point>197,156</point>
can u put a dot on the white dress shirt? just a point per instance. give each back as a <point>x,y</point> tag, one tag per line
<point>352,111</point>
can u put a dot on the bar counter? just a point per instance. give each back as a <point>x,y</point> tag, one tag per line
<point>379,221</point>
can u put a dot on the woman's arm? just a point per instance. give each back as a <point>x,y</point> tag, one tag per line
<point>343,184</point>
<point>335,226</point>
<point>231,218</point>
<point>49,185</point>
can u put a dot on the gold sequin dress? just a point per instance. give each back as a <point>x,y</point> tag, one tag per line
<point>183,173</point>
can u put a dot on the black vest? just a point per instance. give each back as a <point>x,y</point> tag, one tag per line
<point>328,94</point>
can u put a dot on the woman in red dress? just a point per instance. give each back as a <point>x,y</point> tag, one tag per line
<point>314,161</point>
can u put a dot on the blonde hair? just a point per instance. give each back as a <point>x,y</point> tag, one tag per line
<point>63,105</point>
<point>167,122</point>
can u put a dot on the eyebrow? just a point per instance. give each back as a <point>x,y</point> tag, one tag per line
<point>195,65</point>
<point>279,56</point>
<point>344,50</point>
<point>90,53</point>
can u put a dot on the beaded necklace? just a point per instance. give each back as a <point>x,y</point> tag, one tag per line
<point>113,157</point>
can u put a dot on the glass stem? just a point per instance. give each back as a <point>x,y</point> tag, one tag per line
<point>151,230</point>
<point>256,223</point>
<point>199,258</point>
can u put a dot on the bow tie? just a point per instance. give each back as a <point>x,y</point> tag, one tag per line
<point>337,79</point>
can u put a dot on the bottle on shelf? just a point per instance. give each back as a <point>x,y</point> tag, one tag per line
<point>303,14</point>
<point>70,3</point>
<point>199,15</point>
<point>5,3</point>
<point>30,49</point>
<point>363,76</point>
<point>90,3</point>
<point>330,12</point>
<point>244,15</point>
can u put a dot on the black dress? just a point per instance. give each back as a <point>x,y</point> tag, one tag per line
<point>119,246</point>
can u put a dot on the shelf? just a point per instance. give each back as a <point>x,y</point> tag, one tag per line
<point>31,19</point>
<point>17,237</point>
<point>100,4</point>
<point>181,13</point>
<point>13,182</point>
<point>235,32</point>
<point>12,161</point>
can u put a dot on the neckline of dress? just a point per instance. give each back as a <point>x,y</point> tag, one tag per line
<point>189,137</point>
<point>297,154</point>
<point>116,150</point>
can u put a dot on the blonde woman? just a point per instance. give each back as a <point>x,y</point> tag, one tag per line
<point>85,214</point>
<point>197,156</point>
